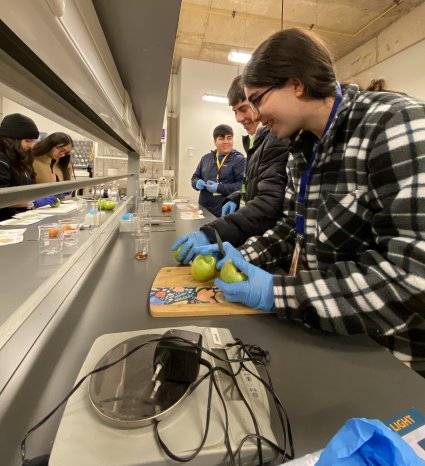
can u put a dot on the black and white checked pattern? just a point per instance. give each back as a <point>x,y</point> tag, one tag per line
<point>363,265</point>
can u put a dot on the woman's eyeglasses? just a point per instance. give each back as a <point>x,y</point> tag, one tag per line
<point>62,150</point>
<point>255,102</point>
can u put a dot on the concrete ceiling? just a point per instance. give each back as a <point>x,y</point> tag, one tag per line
<point>143,35</point>
<point>209,29</point>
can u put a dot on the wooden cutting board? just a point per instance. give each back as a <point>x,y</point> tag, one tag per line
<point>175,293</point>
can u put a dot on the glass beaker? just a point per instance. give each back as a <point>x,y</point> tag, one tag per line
<point>70,228</point>
<point>141,248</point>
<point>142,227</point>
<point>50,239</point>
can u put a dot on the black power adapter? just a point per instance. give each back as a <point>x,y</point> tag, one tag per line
<point>176,357</point>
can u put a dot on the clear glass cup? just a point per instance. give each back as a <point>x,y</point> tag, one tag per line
<point>70,228</point>
<point>50,239</point>
<point>141,248</point>
<point>144,209</point>
<point>142,227</point>
<point>81,205</point>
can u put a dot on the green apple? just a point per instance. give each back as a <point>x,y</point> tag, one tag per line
<point>203,267</point>
<point>106,204</point>
<point>56,204</point>
<point>177,252</point>
<point>230,274</point>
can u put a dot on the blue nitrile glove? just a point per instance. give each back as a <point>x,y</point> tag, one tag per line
<point>48,200</point>
<point>228,208</point>
<point>192,241</point>
<point>230,252</point>
<point>362,442</point>
<point>62,195</point>
<point>212,186</point>
<point>256,292</point>
<point>200,184</point>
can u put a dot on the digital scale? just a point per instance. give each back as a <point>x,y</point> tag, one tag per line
<point>109,419</point>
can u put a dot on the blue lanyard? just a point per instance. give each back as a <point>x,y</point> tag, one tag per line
<point>299,220</point>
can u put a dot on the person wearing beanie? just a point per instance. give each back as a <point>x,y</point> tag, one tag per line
<point>19,127</point>
<point>17,136</point>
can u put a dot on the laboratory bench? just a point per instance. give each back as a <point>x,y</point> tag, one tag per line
<point>321,379</point>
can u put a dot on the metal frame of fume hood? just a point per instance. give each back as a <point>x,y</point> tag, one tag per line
<point>17,194</point>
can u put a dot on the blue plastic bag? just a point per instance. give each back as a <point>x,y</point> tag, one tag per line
<point>368,442</point>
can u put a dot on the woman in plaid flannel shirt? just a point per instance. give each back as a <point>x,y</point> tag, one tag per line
<point>358,160</point>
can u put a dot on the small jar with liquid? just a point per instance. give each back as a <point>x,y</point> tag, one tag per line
<point>141,248</point>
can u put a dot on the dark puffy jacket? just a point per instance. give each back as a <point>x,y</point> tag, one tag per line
<point>265,189</point>
<point>231,177</point>
<point>8,179</point>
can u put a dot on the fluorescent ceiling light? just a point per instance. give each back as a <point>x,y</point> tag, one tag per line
<point>239,57</point>
<point>219,99</point>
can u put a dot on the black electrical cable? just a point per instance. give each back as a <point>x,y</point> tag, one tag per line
<point>226,415</point>
<point>80,382</point>
<point>283,416</point>
<point>261,438</point>
<point>262,357</point>
<point>209,374</point>
<point>255,354</point>
<point>185,459</point>
<point>251,412</point>
<point>286,429</point>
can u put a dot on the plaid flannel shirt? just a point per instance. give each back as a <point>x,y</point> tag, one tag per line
<point>363,264</point>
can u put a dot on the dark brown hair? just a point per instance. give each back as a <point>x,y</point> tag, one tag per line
<point>236,92</point>
<point>380,85</point>
<point>20,162</point>
<point>292,53</point>
<point>222,130</point>
<point>50,142</point>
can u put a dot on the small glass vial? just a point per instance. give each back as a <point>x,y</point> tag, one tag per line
<point>141,248</point>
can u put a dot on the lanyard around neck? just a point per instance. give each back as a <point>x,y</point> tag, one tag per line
<point>299,220</point>
<point>219,164</point>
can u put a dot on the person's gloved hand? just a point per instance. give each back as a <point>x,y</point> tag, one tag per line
<point>192,241</point>
<point>230,252</point>
<point>212,186</point>
<point>200,184</point>
<point>256,292</point>
<point>62,195</point>
<point>228,208</point>
<point>48,200</point>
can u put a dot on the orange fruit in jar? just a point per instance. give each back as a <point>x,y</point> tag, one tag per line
<point>164,208</point>
<point>169,207</point>
<point>53,233</point>
<point>66,227</point>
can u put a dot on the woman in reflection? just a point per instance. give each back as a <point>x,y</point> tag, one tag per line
<point>17,135</point>
<point>52,158</point>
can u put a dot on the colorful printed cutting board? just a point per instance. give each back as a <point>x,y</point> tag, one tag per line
<point>175,293</point>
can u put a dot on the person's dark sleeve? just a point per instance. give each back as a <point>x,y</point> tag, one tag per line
<point>197,175</point>
<point>4,174</point>
<point>265,209</point>
<point>238,171</point>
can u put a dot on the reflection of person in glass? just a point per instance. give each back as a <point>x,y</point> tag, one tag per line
<point>52,158</point>
<point>220,172</point>
<point>17,135</point>
<point>90,169</point>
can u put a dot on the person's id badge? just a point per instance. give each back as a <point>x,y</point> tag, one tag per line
<point>296,256</point>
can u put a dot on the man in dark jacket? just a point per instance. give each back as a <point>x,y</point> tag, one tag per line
<point>263,189</point>
<point>220,172</point>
